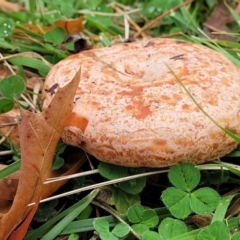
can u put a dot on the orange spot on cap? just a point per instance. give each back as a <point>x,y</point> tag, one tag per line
<point>77,121</point>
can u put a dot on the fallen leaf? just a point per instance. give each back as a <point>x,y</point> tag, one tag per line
<point>8,125</point>
<point>39,134</point>
<point>200,221</point>
<point>10,7</point>
<point>69,25</point>
<point>4,71</point>
<point>22,229</point>
<point>234,209</point>
<point>8,185</point>
<point>8,188</point>
<point>216,23</point>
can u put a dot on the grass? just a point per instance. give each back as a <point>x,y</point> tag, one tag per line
<point>33,40</point>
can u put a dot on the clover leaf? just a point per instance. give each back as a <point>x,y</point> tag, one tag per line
<point>102,227</point>
<point>184,176</point>
<point>11,87</point>
<point>150,235</point>
<point>181,200</point>
<point>170,228</point>
<point>6,105</point>
<point>143,219</point>
<point>111,172</point>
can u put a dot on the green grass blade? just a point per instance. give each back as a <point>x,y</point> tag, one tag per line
<point>231,169</point>
<point>49,224</point>
<point>192,235</point>
<point>229,133</point>
<point>10,169</point>
<point>212,44</point>
<point>37,64</point>
<point>70,217</point>
<point>6,45</point>
<point>233,13</point>
<point>222,208</point>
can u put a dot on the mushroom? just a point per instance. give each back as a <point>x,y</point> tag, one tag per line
<point>131,110</point>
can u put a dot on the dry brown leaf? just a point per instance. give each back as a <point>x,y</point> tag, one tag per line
<point>8,125</point>
<point>39,135</point>
<point>234,209</point>
<point>200,221</point>
<point>8,185</point>
<point>217,22</point>
<point>22,229</point>
<point>8,188</point>
<point>4,71</point>
<point>10,7</point>
<point>69,25</point>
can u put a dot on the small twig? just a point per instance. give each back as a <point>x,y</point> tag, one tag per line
<point>56,179</point>
<point>36,90</point>
<point>7,64</point>
<point>7,152</point>
<point>210,166</point>
<point>169,35</point>
<point>6,135</point>
<point>115,214</point>
<point>127,17</point>
<point>2,125</point>
<point>114,3</point>
<point>98,185</point>
<point>84,11</point>
<point>160,17</point>
<point>89,161</point>
<point>126,27</point>
<point>28,102</point>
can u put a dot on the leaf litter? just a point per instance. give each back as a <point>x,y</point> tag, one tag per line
<point>37,151</point>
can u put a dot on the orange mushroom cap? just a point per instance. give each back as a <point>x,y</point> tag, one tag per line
<point>131,110</point>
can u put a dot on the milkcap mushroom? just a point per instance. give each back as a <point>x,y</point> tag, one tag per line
<point>131,110</point>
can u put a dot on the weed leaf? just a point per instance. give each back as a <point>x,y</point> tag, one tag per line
<point>170,227</point>
<point>184,176</point>
<point>177,202</point>
<point>204,201</point>
<point>45,211</point>
<point>58,163</point>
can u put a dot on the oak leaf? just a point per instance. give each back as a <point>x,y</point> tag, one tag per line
<point>39,134</point>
